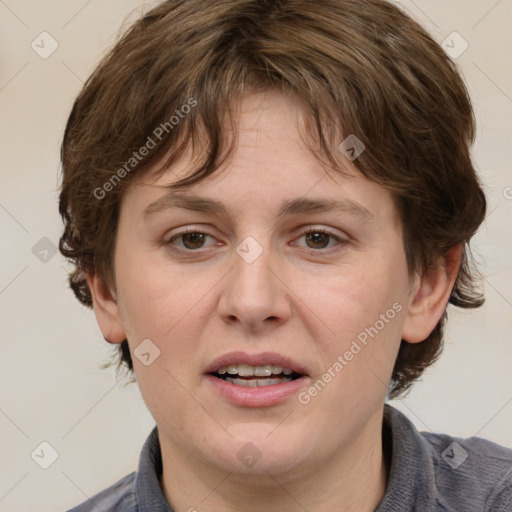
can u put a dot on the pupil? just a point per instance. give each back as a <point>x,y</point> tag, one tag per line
<point>194,236</point>
<point>317,237</point>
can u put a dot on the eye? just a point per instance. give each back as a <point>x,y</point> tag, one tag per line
<point>192,239</point>
<point>318,239</point>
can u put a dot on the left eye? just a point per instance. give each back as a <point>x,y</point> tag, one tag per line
<point>194,239</point>
<point>319,237</point>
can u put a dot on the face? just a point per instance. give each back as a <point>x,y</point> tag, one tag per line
<point>317,297</point>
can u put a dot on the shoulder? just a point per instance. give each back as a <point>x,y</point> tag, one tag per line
<point>474,468</point>
<point>119,497</point>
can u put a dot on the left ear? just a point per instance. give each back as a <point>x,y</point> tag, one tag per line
<point>430,296</point>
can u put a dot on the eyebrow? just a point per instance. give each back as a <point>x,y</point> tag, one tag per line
<point>178,199</point>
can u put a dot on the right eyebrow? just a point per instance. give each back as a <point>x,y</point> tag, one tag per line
<point>178,199</point>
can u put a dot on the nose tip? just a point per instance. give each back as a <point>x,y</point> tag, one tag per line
<point>254,295</point>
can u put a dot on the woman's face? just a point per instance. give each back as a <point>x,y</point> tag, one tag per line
<point>253,288</point>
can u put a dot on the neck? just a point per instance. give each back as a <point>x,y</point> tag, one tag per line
<point>352,479</point>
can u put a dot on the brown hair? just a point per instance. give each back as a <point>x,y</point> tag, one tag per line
<point>359,67</point>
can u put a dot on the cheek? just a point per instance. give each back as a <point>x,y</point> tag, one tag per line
<point>364,309</point>
<point>147,303</point>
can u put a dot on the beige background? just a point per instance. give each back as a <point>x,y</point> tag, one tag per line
<point>51,386</point>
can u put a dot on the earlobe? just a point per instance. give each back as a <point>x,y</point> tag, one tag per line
<point>430,297</point>
<point>106,309</point>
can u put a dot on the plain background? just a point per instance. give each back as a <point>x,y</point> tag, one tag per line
<point>52,388</point>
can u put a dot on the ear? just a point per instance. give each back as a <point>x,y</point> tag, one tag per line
<point>106,309</point>
<point>430,296</point>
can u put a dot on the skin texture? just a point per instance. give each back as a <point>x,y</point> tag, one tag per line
<point>303,298</point>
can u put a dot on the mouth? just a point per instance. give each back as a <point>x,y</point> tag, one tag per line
<point>255,380</point>
<point>255,376</point>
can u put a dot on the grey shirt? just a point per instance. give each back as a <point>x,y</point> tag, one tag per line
<point>429,472</point>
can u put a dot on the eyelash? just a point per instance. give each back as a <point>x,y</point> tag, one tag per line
<point>189,231</point>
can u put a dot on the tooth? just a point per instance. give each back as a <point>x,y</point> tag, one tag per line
<point>222,370</point>
<point>287,371</point>
<point>263,371</point>
<point>276,370</point>
<point>251,383</point>
<point>269,382</point>
<point>244,370</point>
<point>232,369</point>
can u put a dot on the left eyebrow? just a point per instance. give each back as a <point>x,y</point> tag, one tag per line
<point>178,199</point>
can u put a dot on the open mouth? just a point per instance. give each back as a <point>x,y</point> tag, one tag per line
<point>255,376</point>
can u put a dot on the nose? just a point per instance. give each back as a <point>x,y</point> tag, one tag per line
<point>256,296</point>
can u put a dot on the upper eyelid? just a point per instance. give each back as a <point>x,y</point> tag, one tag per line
<point>301,232</point>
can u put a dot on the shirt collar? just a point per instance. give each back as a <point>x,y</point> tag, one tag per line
<point>410,483</point>
<point>148,493</point>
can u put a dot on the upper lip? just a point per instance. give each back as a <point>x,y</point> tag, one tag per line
<point>261,359</point>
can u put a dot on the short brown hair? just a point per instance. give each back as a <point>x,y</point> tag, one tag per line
<point>362,66</point>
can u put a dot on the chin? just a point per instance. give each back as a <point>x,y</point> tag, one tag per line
<point>253,451</point>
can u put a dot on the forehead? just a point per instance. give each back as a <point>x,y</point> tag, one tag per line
<point>271,163</point>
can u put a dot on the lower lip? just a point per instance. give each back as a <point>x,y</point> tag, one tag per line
<point>261,396</point>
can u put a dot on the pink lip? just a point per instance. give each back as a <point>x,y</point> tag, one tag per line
<point>261,396</point>
<point>261,359</point>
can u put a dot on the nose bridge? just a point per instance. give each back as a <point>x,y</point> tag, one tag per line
<point>254,293</point>
<point>252,265</point>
